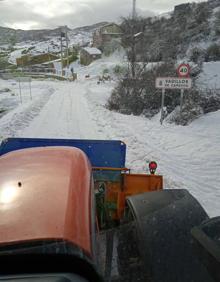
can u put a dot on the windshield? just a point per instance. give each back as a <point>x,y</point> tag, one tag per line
<point>139,82</point>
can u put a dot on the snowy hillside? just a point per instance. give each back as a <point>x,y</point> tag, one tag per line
<point>186,33</point>
<point>51,45</point>
<point>43,41</point>
<point>210,77</point>
<point>191,28</point>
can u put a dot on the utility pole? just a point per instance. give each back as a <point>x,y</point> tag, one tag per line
<point>133,52</point>
<point>67,47</point>
<point>134,10</point>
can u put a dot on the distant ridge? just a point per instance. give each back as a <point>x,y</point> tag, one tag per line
<point>19,35</point>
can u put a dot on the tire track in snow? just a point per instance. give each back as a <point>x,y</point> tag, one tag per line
<point>66,115</point>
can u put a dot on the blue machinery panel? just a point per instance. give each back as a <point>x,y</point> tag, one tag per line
<point>101,153</point>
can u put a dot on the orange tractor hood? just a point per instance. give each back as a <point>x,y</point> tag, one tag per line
<point>45,194</point>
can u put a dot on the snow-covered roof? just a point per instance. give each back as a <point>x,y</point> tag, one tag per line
<point>112,33</point>
<point>109,24</point>
<point>92,51</point>
<point>49,62</point>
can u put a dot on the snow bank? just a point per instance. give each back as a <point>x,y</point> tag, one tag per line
<point>188,157</point>
<point>21,114</point>
<point>210,77</point>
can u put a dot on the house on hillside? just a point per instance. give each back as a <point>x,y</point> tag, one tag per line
<point>29,60</point>
<point>103,36</point>
<point>88,55</point>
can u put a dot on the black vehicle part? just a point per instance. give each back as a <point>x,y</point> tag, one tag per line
<point>41,249</point>
<point>164,221</point>
<point>207,244</point>
<point>131,267</point>
<point>39,277</point>
<point>19,264</point>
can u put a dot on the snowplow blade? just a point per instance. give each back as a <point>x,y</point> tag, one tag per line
<point>161,235</point>
<point>101,153</point>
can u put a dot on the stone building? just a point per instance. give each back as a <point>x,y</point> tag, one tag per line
<point>103,36</point>
<point>28,60</point>
<point>88,55</point>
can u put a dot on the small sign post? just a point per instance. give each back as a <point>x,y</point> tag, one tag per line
<point>162,106</point>
<point>30,88</point>
<point>20,91</point>
<point>181,99</point>
<point>24,79</point>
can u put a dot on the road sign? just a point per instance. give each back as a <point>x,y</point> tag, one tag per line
<point>7,76</point>
<point>173,83</point>
<point>183,70</point>
<point>23,79</point>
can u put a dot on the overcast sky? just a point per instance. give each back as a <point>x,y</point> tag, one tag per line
<point>37,14</point>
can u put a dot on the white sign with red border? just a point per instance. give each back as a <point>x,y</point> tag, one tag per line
<point>183,70</point>
<point>173,83</point>
<point>23,79</point>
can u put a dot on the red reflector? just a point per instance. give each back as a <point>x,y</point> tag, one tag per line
<point>152,167</point>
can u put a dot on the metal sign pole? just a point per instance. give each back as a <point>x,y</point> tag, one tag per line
<point>30,88</point>
<point>162,106</point>
<point>67,48</point>
<point>20,90</point>
<point>181,100</point>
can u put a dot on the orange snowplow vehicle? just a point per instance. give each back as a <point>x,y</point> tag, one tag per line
<point>69,207</point>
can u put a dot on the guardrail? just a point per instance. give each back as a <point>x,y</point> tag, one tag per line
<point>13,75</point>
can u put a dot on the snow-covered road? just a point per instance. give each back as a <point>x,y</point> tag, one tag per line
<point>66,115</point>
<point>188,157</point>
